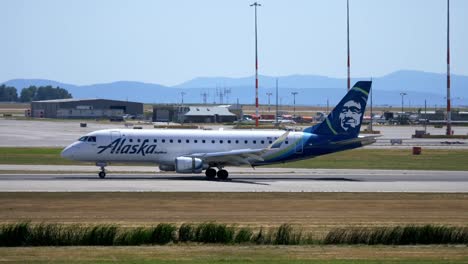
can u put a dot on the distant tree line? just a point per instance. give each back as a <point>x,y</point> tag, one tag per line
<point>32,93</point>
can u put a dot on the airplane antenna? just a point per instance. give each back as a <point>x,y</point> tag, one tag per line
<point>256,65</point>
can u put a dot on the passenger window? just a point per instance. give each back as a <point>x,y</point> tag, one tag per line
<point>138,140</point>
<point>163,141</point>
<point>237,141</point>
<point>188,141</point>
<point>229,141</point>
<point>246,142</point>
<point>271,142</point>
<point>170,140</point>
<point>195,141</point>
<point>255,141</point>
<point>286,142</point>
<point>180,141</point>
<point>155,140</point>
<point>263,142</point>
<point>212,141</point>
<point>203,141</point>
<point>221,141</point>
<point>131,140</point>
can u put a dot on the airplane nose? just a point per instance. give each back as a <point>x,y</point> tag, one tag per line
<point>67,153</point>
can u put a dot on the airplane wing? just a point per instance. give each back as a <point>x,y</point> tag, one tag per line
<point>239,156</point>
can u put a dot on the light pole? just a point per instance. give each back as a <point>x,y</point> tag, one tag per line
<point>256,65</point>
<point>402,104</point>
<point>269,94</point>
<point>294,102</point>
<point>276,114</point>
<point>449,107</point>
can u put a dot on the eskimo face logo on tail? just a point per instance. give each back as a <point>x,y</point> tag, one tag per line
<point>350,115</point>
<point>118,146</point>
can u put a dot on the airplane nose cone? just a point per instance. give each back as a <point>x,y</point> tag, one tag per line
<point>67,153</point>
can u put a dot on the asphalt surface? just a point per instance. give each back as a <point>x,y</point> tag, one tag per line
<point>18,133</point>
<point>241,180</point>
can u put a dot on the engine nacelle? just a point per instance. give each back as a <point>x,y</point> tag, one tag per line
<point>165,167</point>
<point>188,165</point>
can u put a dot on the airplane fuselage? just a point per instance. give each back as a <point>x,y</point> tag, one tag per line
<point>163,146</point>
<point>192,151</point>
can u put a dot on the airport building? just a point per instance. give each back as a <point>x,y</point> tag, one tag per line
<point>84,108</point>
<point>196,114</point>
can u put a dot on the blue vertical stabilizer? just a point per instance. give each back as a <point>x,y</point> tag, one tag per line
<point>345,120</point>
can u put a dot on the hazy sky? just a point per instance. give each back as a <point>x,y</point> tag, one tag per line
<point>169,42</point>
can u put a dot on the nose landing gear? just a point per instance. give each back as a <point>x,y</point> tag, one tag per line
<point>102,173</point>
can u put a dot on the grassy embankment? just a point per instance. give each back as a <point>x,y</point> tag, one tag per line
<point>184,244</point>
<point>430,159</point>
<point>26,234</point>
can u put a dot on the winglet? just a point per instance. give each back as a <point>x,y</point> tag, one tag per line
<point>277,143</point>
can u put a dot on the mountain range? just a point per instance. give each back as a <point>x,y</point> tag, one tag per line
<point>312,89</point>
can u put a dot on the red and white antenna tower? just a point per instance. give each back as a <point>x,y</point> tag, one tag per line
<point>347,31</point>
<point>256,66</point>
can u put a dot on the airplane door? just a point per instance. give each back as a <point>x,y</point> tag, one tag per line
<point>299,145</point>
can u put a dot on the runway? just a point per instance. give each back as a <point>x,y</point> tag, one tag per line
<point>244,180</point>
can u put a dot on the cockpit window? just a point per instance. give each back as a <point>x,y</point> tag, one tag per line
<point>87,139</point>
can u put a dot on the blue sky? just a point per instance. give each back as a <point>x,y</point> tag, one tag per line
<point>169,42</point>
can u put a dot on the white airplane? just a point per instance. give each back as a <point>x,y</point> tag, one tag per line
<point>192,151</point>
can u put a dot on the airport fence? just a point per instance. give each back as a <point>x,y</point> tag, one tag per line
<point>27,234</point>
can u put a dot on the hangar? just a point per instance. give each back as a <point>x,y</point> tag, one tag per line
<point>84,108</point>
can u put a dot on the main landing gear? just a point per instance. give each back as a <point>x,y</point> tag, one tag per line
<point>102,173</point>
<point>211,174</point>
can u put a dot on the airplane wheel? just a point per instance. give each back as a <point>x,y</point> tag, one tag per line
<point>210,173</point>
<point>102,175</point>
<point>222,174</point>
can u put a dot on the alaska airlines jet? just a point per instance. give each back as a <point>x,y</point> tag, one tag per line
<point>192,151</point>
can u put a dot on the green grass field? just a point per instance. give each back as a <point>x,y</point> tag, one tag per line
<point>430,159</point>
<point>33,156</point>
<point>237,254</point>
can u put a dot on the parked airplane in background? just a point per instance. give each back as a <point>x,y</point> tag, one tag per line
<point>192,151</point>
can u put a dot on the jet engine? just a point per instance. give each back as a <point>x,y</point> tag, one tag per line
<point>188,165</point>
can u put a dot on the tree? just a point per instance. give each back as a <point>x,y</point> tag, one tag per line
<point>27,94</point>
<point>8,94</point>
<point>34,93</point>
